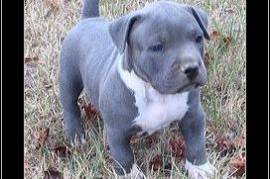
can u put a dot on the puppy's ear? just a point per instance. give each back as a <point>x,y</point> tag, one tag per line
<point>202,19</point>
<point>120,30</point>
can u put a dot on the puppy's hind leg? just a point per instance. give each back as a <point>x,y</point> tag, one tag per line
<point>70,89</point>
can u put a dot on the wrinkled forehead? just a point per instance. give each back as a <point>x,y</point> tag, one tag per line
<point>166,21</point>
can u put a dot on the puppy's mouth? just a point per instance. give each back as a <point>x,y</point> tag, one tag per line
<point>181,89</point>
<point>188,87</point>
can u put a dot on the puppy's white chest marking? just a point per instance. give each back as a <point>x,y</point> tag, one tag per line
<point>156,111</point>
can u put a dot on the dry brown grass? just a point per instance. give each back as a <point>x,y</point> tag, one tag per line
<point>46,24</point>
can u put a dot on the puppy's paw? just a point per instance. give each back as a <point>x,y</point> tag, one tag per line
<point>205,171</point>
<point>135,173</point>
<point>75,134</point>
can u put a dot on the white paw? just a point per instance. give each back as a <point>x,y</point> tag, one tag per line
<point>205,171</point>
<point>135,173</point>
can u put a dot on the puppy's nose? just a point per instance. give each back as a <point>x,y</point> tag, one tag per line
<point>191,71</point>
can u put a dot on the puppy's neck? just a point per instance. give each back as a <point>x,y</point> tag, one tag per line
<point>138,85</point>
<point>155,110</point>
<point>130,79</point>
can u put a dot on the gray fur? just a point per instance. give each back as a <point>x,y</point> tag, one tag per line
<point>90,9</point>
<point>193,129</point>
<point>88,61</point>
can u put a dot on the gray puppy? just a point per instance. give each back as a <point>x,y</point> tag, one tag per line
<point>142,71</point>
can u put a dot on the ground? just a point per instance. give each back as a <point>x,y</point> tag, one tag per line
<point>160,156</point>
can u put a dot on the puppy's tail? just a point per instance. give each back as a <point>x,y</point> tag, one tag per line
<point>90,9</point>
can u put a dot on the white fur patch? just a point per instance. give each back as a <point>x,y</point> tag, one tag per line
<point>186,65</point>
<point>156,111</point>
<point>205,171</point>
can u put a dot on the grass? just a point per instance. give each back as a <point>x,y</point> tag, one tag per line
<point>223,98</point>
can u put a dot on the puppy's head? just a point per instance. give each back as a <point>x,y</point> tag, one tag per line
<point>163,44</point>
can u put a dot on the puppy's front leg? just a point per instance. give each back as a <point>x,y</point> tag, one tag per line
<point>193,130</point>
<point>120,149</point>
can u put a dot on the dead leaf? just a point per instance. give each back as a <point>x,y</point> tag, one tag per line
<point>52,173</point>
<point>227,41</point>
<point>33,60</point>
<point>207,59</point>
<point>224,143</point>
<point>53,4</point>
<point>43,135</point>
<point>62,151</point>
<point>150,141</point>
<point>29,59</point>
<point>238,165</point>
<point>215,34</point>
<point>177,146</point>
<point>156,162</point>
<point>90,111</point>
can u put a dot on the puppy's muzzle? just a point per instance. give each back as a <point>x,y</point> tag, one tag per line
<point>191,70</point>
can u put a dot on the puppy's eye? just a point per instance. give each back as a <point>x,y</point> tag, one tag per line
<point>199,39</point>
<point>157,47</point>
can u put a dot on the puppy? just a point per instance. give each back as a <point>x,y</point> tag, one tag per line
<point>142,71</point>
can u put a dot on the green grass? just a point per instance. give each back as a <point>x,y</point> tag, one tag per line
<point>223,98</point>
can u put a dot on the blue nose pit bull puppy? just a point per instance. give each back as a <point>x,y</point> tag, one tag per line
<point>142,71</point>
